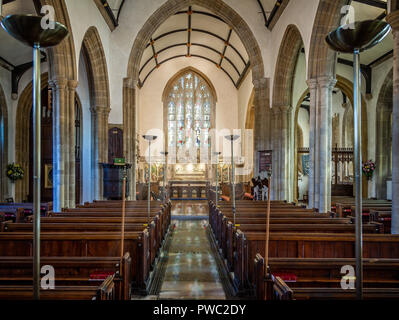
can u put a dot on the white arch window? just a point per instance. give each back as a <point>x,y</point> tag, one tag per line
<point>189,116</point>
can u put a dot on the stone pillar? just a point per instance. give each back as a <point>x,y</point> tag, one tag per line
<point>71,168</point>
<point>393,20</point>
<point>61,147</point>
<point>276,146</point>
<point>262,134</point>
<point>284,180</point>
<point>129,130</point>
<point>99,128</point>
<point>312,83</point>
<point>326,84</point>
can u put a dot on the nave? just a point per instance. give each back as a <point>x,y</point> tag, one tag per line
<point>189,269</point>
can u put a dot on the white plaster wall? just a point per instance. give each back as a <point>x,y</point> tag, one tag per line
<point>83,15</point>
<point>299,86</point>
<point>150,111</point>
<point>133,17</point>
<point>83,92</point>
<point>244,95</point>
<point>304,23</point>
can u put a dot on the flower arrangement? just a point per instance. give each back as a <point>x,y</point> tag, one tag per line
<point>368,168</point>
<point>15,172</point>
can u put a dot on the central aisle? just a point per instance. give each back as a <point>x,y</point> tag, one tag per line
<point>191,271</point>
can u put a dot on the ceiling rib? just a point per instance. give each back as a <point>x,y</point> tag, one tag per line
<point>189,44</point>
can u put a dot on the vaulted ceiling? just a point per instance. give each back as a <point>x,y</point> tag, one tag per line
<point>196,32</point>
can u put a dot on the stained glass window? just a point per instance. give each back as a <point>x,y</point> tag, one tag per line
<point>189,115</point>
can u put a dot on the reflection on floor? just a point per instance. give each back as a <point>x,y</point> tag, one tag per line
<point>191,271</point>
<point>190,208</point>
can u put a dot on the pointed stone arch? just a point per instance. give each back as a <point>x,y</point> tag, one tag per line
<point>238,24</point>
<point>384,135</point>
<point>63,81</point>
<point>250,115</point>
<point>284,74</point>
<point>22,125</point>
<point>219,8</point>
<point>3,145</point>
<point>322,60</point>
<point>97,70</point>
<point>285,67</point>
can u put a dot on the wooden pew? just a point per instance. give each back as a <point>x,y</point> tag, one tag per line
<point>106,291</point>
<point>18,211</point>
<point>97,226</point>
<point>311,245</point>
<point>343,208</point>
<point>90,244</point>
<point>72,271</point>
<point>381,216</point>
<point>272,286</point>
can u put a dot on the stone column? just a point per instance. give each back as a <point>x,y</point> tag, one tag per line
<point>284,180</point>
<point>129,130</point>
<point>261,132</point>
<point>393,20</point>
<point>60,145</point>
<point>99,128</point>
<point>276,146</point>
<point>326,84</point>
<point>312,83</point>
<point>71,167</point>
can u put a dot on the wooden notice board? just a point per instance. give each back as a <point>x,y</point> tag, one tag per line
<point>265,160</point>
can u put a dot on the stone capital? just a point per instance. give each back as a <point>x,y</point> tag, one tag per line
<point>312,84</point>
<point>393,19</point>
<point>73,84</point>
<point>130,83</point>
<point>101,110</point>
<point>58,83</point>
<point>327,82</point>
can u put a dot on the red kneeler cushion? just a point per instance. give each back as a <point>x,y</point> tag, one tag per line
<point>287,277</point>
<point>248,196</point>
<point>101,275</point>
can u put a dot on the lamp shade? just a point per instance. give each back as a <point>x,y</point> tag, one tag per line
<point>28,30</point>
<point>364,35</point>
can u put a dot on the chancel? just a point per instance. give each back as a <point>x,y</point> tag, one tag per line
<point>199,149</point>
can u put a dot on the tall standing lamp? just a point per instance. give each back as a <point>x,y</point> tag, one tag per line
<point>233,138</point>
<point>356,38</point>
<point>149,138</point>
<point>28,30</point>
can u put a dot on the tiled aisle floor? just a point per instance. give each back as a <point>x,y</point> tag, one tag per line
<point>190,208</point>
<point>191,271</point>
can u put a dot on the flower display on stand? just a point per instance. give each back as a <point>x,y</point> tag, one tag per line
<point>15,172</point>
<point>368,168</point>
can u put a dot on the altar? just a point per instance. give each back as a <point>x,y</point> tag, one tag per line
<point>194,189</point>
<point>189,172</point>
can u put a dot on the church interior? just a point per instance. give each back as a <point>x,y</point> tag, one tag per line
<point>199,149</point>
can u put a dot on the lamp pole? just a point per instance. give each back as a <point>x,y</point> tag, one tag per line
<point>28,30</point>
<point>232,138</point>
<point>165,168</point>
<point>216,154</point>
<point>354,39</point>
<point>149,139</point>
